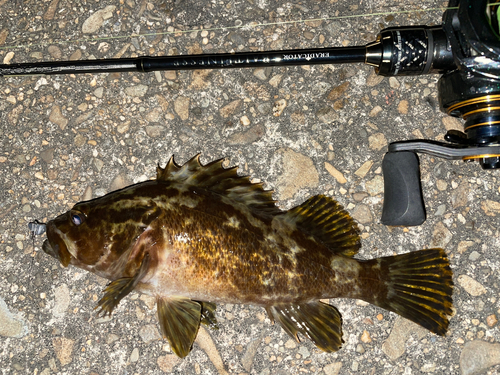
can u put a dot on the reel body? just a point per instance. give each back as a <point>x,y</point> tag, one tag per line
<point>468,89</point>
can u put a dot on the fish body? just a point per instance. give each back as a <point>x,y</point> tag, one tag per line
<point>201,235</point>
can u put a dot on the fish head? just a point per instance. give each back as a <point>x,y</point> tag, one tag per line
<point>103,230</point>
<point>70,235</point>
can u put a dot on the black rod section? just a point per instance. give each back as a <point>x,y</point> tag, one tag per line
<point>336,55</point>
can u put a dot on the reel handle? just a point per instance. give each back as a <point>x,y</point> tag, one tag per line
<point>403,202</point>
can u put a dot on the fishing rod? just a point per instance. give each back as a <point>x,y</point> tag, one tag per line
<point>465,49</point>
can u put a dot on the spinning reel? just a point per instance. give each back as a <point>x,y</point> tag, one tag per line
<point>465,49</point>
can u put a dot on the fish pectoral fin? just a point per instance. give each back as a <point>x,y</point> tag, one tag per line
<point>208,315</point>
<point>119,288</point>
<point>319,322</point>
<point>179,321</point>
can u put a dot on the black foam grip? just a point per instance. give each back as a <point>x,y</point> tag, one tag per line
<point>403,202</point>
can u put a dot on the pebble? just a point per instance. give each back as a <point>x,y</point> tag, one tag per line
<point>338,91</point>
<point>134,357</point>
<point>491,320</point>
<point>320,88</point>
<point>471,286</point>
<point>8,57</point>
<point>167,362</point>
<point>57,117</point>
<point>327,115</point>
<point>55,52</point>
<point>99,92</point>
<point>374,79</point>
<point>375,111</point>
<point>96,20</point>
<point>51,10</point>
<point>149,333</point>
<point>440,236</point>
<point>278,107</point>
<point>452,123</point>
<point>403,107</point>
<point>464,245</point>
<point>63,347</point>
<point>459,195</point>
<point>428,367</point>
<point>335,173</point>
<point>262,73</point>
<point>477,356</point>
<point>13,116</point>
<point>248,136</point>
<point>123,127</point>
<point>365,337</point>
<point>252,347</point>
<point>245,121</point>
<point>155,131</point>
<point>181,107</point>
<point>332,368</point>
<point>304,352</point>
<point>299,172</point>
<point>136,91</point>
<point>62,300</point>
<point>362,214</point>
<point>4,33</point>
<point>474,256</point>
<point>276,80</point>
<point>47,155</point>
<point>375,186</point>
<point>79,140</point>
<point>119,182</point>
<point>230,108</point>
<point>364,169</point>
<point>11,326</point>
<point>395,345</point>
<point>490,208</point>
<point>394,83</point>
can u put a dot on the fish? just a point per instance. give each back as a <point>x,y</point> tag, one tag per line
<point>201,235</point>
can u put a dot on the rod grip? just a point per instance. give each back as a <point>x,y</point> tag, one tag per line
<point>403,202</point>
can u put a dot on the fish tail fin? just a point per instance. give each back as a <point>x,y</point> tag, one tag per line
<point>418,286</point>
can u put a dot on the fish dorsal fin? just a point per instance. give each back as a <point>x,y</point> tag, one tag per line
<point>327,221</point>
<point>215,178</point>
<point>319,322</point>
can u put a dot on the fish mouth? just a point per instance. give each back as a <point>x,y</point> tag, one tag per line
<point>55,246</point>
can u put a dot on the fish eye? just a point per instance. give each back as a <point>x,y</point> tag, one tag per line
<point>77,218</point>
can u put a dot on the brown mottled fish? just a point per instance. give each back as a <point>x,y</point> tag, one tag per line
<point>200,235</point>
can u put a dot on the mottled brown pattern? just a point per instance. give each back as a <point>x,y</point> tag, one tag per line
<point>202,233</point>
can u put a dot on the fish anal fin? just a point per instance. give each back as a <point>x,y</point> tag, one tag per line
<point>117,289</point>
<point>319,322</point>
<point>417,285</point>
<point>215,178</point>
<point>179,321</point>
<point>208,315</point>
<point>326,220</point>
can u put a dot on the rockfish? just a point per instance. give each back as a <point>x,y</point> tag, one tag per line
<point>199,235</point>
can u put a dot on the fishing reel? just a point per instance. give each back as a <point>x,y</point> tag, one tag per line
<point>468,89</point>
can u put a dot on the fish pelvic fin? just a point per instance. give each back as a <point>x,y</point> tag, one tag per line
<point>224,181</point>
<point>418,286</point>
<point>179,321</point>
<point>327,221</point>
<point>208,315</point>
<point>116,290</point>
<point>319,322</point>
